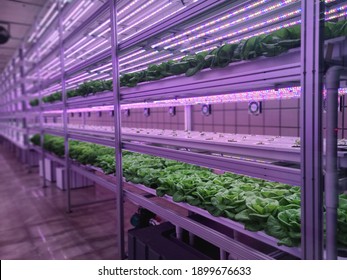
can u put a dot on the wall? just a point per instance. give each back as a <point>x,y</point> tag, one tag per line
<point>158,118</point>
<point>279,117</point>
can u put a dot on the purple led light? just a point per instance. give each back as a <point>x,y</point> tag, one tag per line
<point>229,24</point>
<point>153,23</point>
<point>145,18</point>
<point>243,30</point>
<point>203,26</point>
<point>148,62</point>
<point>81,47</point>
<point>136,11</point>
<point>131,55</point>
<point>92,49</point>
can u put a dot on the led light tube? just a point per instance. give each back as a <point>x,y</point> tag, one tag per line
<point>76,44</point>
<point>131,55</point>
<point>127,7</point>
<point>104,32</point>
<point>77,77</point>
<point>161,19</point>
<point>47,14</point>
<point>80,15</point>
<point>229,24</point>
<point>240,31</point>
<point>82,78</point>
<point>101,67</point>
<point>73,12</point>
<point>243,9</point>
<point>145,18</point>
<point>86,44</point>
<point>139,58</point>
<point>136,11</point>
<point>92,49</point>
<point>147,62</point>
<point>47,24</point>
<point>99,27</point>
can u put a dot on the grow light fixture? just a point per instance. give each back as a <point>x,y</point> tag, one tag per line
<point>136,11</point>
<point>92,49</point>
<point>153,23</point>
<point>148,61</point>
<point>145,18</point>
<point>243,30</point>
<point>229,24</point>
<point>132,55</point>
<point>203,26</point>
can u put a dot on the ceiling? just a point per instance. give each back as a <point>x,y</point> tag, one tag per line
<point>20,15</point>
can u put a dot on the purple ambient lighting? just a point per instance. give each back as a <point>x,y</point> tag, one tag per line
<point>244,30</point>
<point>200,27</point>
<point>148,61</point>
<point>145,18</point>
<point>229,24</point>
<point>153,23</point>
<point>136,11</point>
<point>92,49</point>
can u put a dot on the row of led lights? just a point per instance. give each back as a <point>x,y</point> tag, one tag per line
<point>260,95</point>
<point>106,67</point>
<point>102,42</point>
<point>84,9</point>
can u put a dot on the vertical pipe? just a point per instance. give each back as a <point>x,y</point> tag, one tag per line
<point>312,24</point>
<point>331,176</point>
<point>65,116</point>
<point>117,128</point>
<point>188,117</point>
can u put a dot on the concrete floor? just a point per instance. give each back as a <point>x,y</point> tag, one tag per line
<point>34,224</point>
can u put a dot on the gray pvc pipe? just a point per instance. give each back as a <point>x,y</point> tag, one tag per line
<point>331,176</point>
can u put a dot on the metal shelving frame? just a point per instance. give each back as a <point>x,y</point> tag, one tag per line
<point>307,70</point>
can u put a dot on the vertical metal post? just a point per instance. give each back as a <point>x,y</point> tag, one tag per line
<point>188,117</point>
<point>38,72</point>
<point>24,105</point>
<point>312,24</point>
<point>117,128</point>
<point>65,116</point>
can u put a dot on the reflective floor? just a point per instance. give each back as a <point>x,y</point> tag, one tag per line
<point>34,223</point>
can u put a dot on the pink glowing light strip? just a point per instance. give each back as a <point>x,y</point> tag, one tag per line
<point>255,34</point>
<point>85,9</point>
<point>282,93</point>
<point>147,62</point>
<point>145,18</point>
<point>229,24</point>
<point>139,58</point>
<point>148,26</point>
<point>99,27</point>
<point>271,94</point>
<point>127,7</point>
<point>136,11</point>
<point>200,27</point>
<point>80,48</point>
<point>83,79</point>
<point>72,14</point>
<point>244,30</point>
<point>47,24</point>
<point>77,77</point>
<point>92,49</point>
<point>131,55</point>
<point>76,44</point>
<point>102,67</point>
